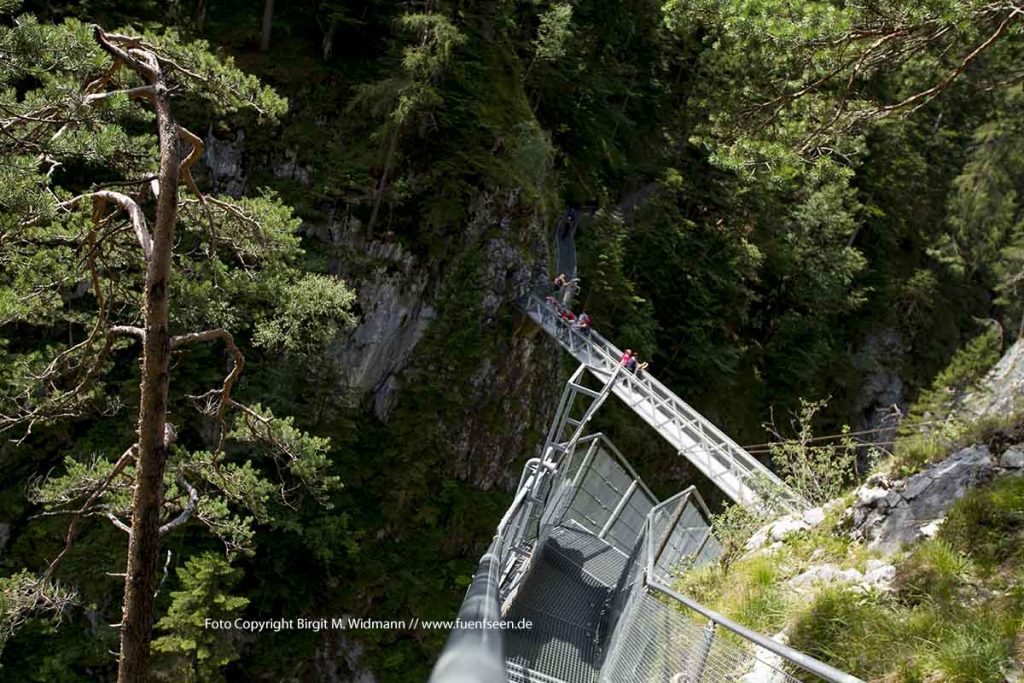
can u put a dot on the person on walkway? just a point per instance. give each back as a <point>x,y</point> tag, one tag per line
<point>583,324</point>
<point>568,316</point>
<point>625,357</point>
<point>631,364</point>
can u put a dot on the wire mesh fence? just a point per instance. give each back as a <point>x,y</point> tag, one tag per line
<point>588,556</point>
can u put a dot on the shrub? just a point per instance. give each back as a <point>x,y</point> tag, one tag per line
<point>819,473</point>
<point>733,527</point>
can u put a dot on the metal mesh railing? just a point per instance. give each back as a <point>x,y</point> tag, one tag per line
<point>588,556</point>
<point>661,643</point>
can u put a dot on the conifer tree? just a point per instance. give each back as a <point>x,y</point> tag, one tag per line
<point>105,236</point>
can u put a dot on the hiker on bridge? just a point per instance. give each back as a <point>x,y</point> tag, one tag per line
<point>564,288</point>
<point>583,323</point>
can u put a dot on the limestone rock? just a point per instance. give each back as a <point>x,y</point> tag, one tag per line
<point>786,526</point>
<point>867,495</point>
<point>931,530</point>
<point>826,573</point>
<point>813,517</point>
<point>1002,387</point>
<point>910,508</point>
<point>1013,457</point>
<point>768,667</point>
<point>879,574</point>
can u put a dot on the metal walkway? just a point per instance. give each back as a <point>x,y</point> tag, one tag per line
<point>564,597</point>
<point>577,584</point>
<point>741,476</point>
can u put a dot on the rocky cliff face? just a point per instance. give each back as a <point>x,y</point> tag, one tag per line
<point>440,353</point>
<point>890,513</point>
<point>1002,390</point>
<point>881,395</point>
<point>512,383</point>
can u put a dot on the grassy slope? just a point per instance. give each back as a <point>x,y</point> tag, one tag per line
<point>956,609</point>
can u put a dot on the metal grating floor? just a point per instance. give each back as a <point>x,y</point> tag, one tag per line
<point>564,595</point>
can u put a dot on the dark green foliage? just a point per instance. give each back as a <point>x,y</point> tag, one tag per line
<point>746,271</point>
<point>195,652</point>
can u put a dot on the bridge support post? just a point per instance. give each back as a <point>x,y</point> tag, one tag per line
<point>700,662</point>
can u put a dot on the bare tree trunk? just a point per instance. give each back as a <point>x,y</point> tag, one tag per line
<point>268,20</point>
<point>378,195</point>
<point>144,544</point>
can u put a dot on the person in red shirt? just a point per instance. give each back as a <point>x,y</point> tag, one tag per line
<point>625,357</point>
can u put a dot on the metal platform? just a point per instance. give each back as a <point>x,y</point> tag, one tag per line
<point>589,556</point>
<point>564,596</point>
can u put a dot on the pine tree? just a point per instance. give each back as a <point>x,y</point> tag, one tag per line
<point>98,239</point>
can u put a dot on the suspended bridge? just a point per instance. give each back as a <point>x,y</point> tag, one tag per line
<point>576,586</point>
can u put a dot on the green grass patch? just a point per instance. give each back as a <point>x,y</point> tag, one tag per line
<point>750,592</point>
<point>856,632</point>
<point>934,573</point>
<point>913,452</point>
<point>879,637</point>
<point>988,524</point>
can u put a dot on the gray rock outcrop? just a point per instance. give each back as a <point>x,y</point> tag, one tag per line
<point>1013,457</point>
<point>877,575</point>
<point>1003,387</point>
<point>223,161</point>
<point>888,515</point>
<point>882,395</point>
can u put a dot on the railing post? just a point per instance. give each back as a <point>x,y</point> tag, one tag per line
<point>669,529</point>
<point>618,509</point>
<point>700,662</point>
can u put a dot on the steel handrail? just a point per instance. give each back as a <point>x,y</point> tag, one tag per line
<point>730,457</point>
<point>806,662</point>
